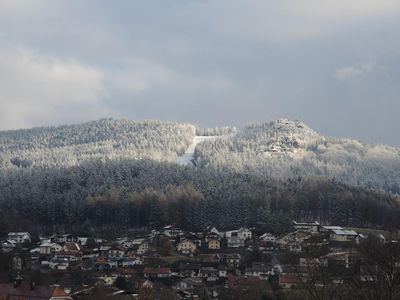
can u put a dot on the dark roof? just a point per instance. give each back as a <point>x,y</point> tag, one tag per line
<point>157,270</point>
<point>25,290</point>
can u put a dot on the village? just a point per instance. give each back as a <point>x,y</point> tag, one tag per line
<point>170,263</point>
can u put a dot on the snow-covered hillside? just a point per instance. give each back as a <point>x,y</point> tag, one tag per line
<point>188,156</point>
<point>279,149</point>
<point>103,140</point>
<point>288,149</point>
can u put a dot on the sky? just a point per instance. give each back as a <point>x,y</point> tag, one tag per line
<point>334,64</point>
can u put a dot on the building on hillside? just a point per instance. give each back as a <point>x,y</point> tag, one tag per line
<point>186,247</point>
<point>49,248</point>
<point>8,246</point>
<point>172,231</point>
<point>157,272</point>
<point>235,242</point>
<point>343,235</point>
<point>17,263</point>
<point>289,281</point>
<point>244,233</point>
<point>190,283</point>
<point>116,251</point>
<point>311,227</point>
<point>214,244</point>
<point>20,237</point>
<point>267,237</point>
<point>260,270</point>
<point>206,272</point>
<point>233,260</point>
<point>144,247</point>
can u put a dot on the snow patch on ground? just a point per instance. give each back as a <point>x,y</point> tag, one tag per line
<point>187,157</point>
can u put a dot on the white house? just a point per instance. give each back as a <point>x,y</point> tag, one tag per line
<point>82,240</point>
<point>244,233</point>
<point>267,237</point>
<point>8,246</point>
<point>49,248</point>
<point>311,227</point>
<point>19,237</point>
<point>172,231</point>
<point>116,252</point>
<point>222,271</point>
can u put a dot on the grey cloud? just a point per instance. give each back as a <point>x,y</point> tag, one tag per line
<point>209,62</point>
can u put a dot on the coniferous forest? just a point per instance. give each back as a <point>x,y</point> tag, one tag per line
<point>123,174</point>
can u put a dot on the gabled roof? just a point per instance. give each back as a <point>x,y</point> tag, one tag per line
<point>291,279</point>
<point>345,232</point>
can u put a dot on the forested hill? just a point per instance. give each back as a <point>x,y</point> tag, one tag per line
<point>103,140</point>
<point>121,173</point>
<point>289,149</point>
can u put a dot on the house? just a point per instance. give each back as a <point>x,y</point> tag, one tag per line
<point>214,244</point>
<point>172,231</point>
<point>235,242</point>
<point>104,249</point>
<point>113,262</point>
<point>70,255</point>
<point>116,251</point>
<point>222,271</point>
<point>8,246</point>
<point>57,263</point>
<point>49,248</point>
<point>82,240</point>
<point>294,247</point>
<point>102,264</point>
<point>24,290</point>
<point>260,270</point>
<point>143,248</point>
<point>188,269</point>
<point>233,260</point>
<point>194,238</point>
<point>17,263</point>
<point>344,259</point>
<point>267,237</point>
<point>343,235</point>
<point>206,272</point>
<point>306,262</point>
<point>266,246</point>
<point>287,281</point>
<point>63,238</point>
<point>190,284</point>
<point>186,247</point>
<point>156,272</point>
<point>244,233</point>
<point>20,237</point>
<point>211,236</point>
<point>311,227</point>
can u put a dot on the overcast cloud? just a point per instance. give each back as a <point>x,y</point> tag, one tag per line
<point>335,64</point>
